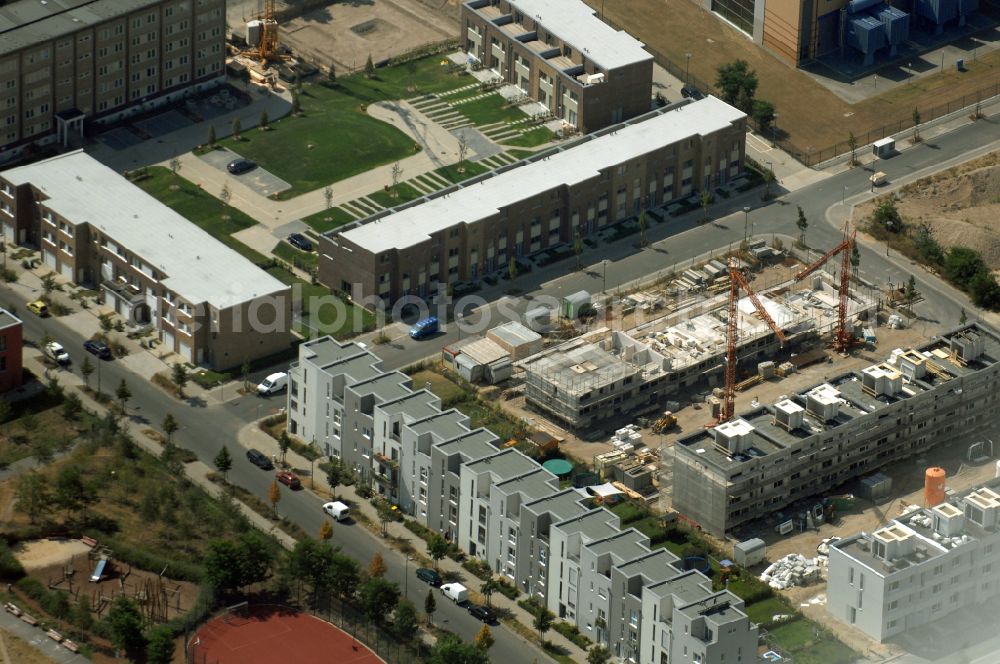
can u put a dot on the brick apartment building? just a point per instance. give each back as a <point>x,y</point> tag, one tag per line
<point>152,266</point>
<point>65,63</point>
<point>559,53</point>
<point>472,230</point>
<point>11,343</point>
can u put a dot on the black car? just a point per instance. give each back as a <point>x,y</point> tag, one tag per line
<point>259,459</point>
<point>483,613</point>
<point>98,348</point>
<point>240,166</point>
<point>692,92</point>
<point>300,241</point>
<point>427,575</point>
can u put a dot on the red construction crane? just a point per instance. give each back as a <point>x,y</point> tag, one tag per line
<point>843,339</point>
<point>736,282</point>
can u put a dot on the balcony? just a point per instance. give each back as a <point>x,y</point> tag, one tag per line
<point>125,292</point>
<point>383,479</point>
<point>386,461</point>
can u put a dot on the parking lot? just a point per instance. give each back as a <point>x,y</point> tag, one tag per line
<point>260,180</point>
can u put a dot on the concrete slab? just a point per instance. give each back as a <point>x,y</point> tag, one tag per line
<point>479,146</point>
<point>120,138</point>
<point>163,123</point>
<point>259,180</point>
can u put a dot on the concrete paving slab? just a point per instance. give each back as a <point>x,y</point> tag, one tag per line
<point>479,145</point>
<point>164,123</point>
<point>120,138</point>
<point>260,180</point>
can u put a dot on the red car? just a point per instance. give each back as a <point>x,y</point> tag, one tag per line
<point>289,479</point>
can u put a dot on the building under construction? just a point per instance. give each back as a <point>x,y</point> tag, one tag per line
<point>854,423</point>
<point>607,374</point>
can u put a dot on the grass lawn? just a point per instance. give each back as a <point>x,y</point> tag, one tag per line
<point>305,260</point>
<point>345,139</point>
<point>324,312</point>
<point>764,610</point>
<point>200,208</point>
<point>532,138</point>
<point>472,169</point>
<point>504,426</point>
<point>521,154</point>
<point>489,110</point>
<point>446,390</point>
<point>794,635</point>
<point>45,428</point>
<point>826,651</point>
<point>404,193</point>
<point>327,220</point>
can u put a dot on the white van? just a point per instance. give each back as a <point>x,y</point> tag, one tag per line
<point>456,592</point>
<point>337,510</point>
<point>273,384</point>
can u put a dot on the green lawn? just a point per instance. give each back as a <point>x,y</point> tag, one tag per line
<point>325,312</point>
<point>521,154</point>
<point>327,220</point>
<point>764,610</point>
<point>532,138</point>
<point>472,169</point>
<point>404,193</point>
<point>345,140</point>
<point>490,109</point>
<point>202,209</point>
<point>445,389</point>
<point>305,260</point>
<point>794,635</point>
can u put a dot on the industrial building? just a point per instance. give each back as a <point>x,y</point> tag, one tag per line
<point>207,303</point>
<point>68,63</point>
<point>502,507</point>
<point>606,374</point>
<point>848,426</point>
<point>919,567</point>
<point>474,229</point>
<point>559,53</point>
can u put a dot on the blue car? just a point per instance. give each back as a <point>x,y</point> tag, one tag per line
<point>424,328</point>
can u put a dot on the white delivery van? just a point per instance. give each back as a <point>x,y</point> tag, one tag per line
<point>273,384</point>
<point>456,592</point>
<point>337,510</point>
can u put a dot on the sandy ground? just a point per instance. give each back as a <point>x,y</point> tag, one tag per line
<point>961,206</point>
<point>19,652</point>
<point>46,553</point>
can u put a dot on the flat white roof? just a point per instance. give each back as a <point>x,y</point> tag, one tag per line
<point>575,23</point>
<point>198,267</point>
<point>484,199</point>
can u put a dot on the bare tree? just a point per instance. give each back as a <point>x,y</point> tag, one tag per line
<point>225,195</point>
<point>328,197</point>
<point>463,149</point>
<point>396,173</point>
<point>175,165</point>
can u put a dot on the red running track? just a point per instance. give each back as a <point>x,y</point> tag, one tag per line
<point>276,634</point>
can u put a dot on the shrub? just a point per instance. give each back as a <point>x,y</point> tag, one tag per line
<point>10,567</point>
<point>571,632</point>
<point>507,589</point>
<point>478,568</point>
<point>31,587</point>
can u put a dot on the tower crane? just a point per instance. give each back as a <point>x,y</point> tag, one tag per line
<point>736,282</point>
<point>843,339</point>
<point>266,49</point>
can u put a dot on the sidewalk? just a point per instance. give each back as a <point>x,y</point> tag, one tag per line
<point>252,436</point>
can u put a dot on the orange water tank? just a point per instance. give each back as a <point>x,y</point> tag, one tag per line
<point>934,486</point>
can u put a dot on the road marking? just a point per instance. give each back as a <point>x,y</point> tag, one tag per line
<point>756,142</point>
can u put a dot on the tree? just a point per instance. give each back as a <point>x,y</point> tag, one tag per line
<point>87,368</point>
<point>296,103</point>
<point>397,172</point>
<point>106,323</point>
<point>643,224</point>
<point>377,566</point>
<point>484,639</point>
<point>542,622</point>
<point>344,576</point>
<point>916,126</point>
<point>706,200</point>
<point>331,74</point>
<point>887,216</point>
<point>33,496</point>
<point>763,114</point>
<point>284,442</point>
<point>179,376</point>
<point>245,375</point>
<point>72,406</point>
<point>378,597</point>
<point>369,67</point>
<point>737,83</point>
<point>160,648</point>
<point>768,177</point>
<point>125,622</point>
<point>328,197</point>
<point>463,149</point>
<point>211,135</point>
<point>264,120</point>
<point>222,565</point>
<point>170,426</point>
<point>598,655</point>
<point>273,496</point>
<point>437,548</point>
<point>803,225</point>
<point>237,127</point>
<point>325,531</point>
<point>430,606</point>
<point>123,394</point>
<point>961,265</point>
<point>962,318</point>
<point>385,515</point>
<point>450,649</point>
<point>577,247</point>
<point>335,475</point>
<point>175,165</point>
<point>512,268</point>
<point>223,462</point>
<point>910,291</point>
<point>855,260</point>
<point>404,619</point>
<point>297,83</point>
<point>226,194</point>
<point>852,144</point>
<point>488,587</point>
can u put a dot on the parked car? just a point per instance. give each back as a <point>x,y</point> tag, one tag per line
<point>38,308</point>
<point>288,478</point>
<point>273,384</point>
<point>483,613</point>
<point>337,510</point>
<point>241,166</point>
<point>456,592</point>
<point>98,348</point>
<point>424,328</point>
<point>300,241</point>
<point>692,92</point>
<point>259,459</point>
<point>55,351</point>
<point>429,576</point>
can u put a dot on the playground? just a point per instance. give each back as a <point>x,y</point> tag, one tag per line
<point>269,633</point>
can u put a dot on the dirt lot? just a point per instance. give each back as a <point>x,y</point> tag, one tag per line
<point>46,553</point>
<point>961,205</point>
<point>19,652</point>
<point>812,116</point>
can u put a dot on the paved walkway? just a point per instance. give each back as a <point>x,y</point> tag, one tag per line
<point>37,639</point>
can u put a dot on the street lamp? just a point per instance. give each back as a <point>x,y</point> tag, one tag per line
<point>406,574</point>
<point>687,67</point>
<point>604,277</point>
<point>746,221</point>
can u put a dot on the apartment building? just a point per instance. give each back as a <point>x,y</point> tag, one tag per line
<point>11,346</point>
<point>65,64</point>
<point>502,507</point>
<point>474,229</point>
<point>559,53</point>
<point>944,391</point>
<point>920,567</point>
<point>152,266</point>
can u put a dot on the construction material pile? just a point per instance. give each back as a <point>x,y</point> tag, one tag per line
<point>793,570</point>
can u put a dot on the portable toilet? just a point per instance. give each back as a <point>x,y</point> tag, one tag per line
<point>884,148</point>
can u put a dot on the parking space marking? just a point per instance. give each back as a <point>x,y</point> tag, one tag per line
<point>758,144</point>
